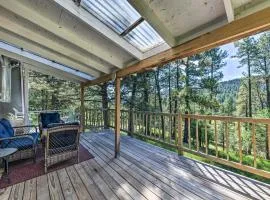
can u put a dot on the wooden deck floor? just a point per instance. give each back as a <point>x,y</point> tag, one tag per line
<point>142,172</point>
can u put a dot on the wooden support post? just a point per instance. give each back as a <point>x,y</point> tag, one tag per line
<point>117,116</point>
<point>82,117</point>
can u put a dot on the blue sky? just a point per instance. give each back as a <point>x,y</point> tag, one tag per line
<point>231,70</point>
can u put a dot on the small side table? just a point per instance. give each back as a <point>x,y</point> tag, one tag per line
<point>4,154</point>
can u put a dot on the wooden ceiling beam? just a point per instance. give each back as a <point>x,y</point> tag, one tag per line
<point>236,30</point>
<point>100,80</point>
<point>229,10</point>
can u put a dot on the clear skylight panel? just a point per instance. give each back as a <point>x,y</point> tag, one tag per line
<point>117,14</point>
<point>144,37</point>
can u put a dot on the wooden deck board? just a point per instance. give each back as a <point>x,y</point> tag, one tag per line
<point>142,171</point>
<point>42,188</point>
<point>233,181</point>
<point>180,177</point>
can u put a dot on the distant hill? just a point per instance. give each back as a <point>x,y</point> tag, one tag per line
<point>228,89</point>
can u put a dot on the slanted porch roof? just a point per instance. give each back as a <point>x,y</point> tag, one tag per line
<point>93,37</point>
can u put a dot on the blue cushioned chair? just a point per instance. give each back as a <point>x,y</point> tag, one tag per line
<point>20,137</point>
<point>61,140</point>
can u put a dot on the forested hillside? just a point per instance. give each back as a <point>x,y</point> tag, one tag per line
<point>228,89</point>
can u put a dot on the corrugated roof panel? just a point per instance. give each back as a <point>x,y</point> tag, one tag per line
<point>119,15</point>
<point>144,37</point>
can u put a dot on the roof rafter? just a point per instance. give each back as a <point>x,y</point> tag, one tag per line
<point>20,8</point>
<point>27,30</point>
<point>97,25</point>
<point>229,10</point>
<point>31,46</point>
<point>132,26</point>
<point>37,63</point>
<point>152,18</point>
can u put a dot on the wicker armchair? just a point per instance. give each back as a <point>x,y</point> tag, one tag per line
<point>62,143</point>
<point>24,138</point>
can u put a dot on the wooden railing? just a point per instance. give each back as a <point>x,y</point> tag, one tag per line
<point>65,115</point>
<point>233,141</point>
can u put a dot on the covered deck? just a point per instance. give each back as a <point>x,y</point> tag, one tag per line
<point>71,41</point>
<point>143,171</point>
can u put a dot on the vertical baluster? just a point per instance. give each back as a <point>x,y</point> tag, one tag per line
<point>85,117</point>
<point>254,145</point>
<point>180,141</point>
<point>216,138</point>
<point>197,134</point>
<point>143,127</point>
<point>227,139</point>
<point>96,119</point>
<point>189,139</point>
<point>170,128</point>
<point>160,127</point>
<point>121,120</point>
<point>150,124</point>
<point>140,118</point>
<point>240,141</point>
<point>135,122</point>
<point>146,124</point>
<point>206,138</point>
<point>154,125</point>
<point>268,136</point>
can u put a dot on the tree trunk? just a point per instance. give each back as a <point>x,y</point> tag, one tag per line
<point>249,88</point>
<point>267,94</point>
<point>259,95</point>
<point>146,103</point>
<point>131,106</point>
<point>187,85</point>
<point>176,100</point>
<point>170,102</point>
<point>104,94</point>
<point>160,102</point>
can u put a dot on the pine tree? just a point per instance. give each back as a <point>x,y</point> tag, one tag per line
<point>246,51</point>
<point>212,62</point>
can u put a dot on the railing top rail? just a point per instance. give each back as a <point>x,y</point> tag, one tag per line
<point>203,117</point>
<point>228,118</point>
<point>39,111</point>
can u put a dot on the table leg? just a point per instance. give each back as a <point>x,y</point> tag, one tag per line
<point>6,166</point>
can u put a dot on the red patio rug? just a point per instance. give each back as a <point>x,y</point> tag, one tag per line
<point>24,170</point>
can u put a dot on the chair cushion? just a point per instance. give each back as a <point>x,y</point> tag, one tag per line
<point>20,143</point>
<point>55,125</point>
<point>3,132</point>
<point>62,124</point>
<point>35,137</point>
<point>49,118</point>
<point>8,127</point>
